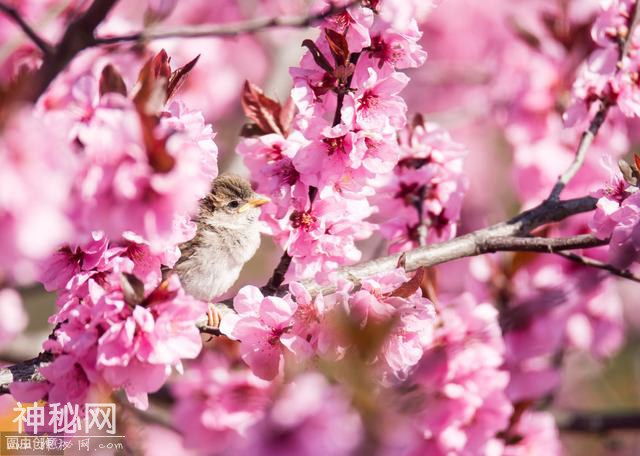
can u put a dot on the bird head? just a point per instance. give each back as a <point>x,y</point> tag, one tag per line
<point>231,203</point>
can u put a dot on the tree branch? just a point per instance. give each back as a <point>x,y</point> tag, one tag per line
<point>26,371</point>
<point>475,243</point>
<point>585,143</point>
<point>594,422</point>
<point>230,29</point>
<point>78,36</point>
<point>279,274</point>
<point>15,16</point>
<point>586,261</point>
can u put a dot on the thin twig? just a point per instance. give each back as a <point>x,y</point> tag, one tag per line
<point>279,274</point>
<point>586,261</point>
<point>15,16</point>
<point>229,29</point>
<point>585,143</point>
<point>590,133</point>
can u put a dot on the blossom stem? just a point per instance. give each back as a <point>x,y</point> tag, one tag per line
<point>15,16</point>
<point>229,29</point>
<point>586,261</point>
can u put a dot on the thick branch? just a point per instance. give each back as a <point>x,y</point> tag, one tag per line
<point>27,371</point>
<point>78,36</point>
<point>471,244</point>
<point>600,422</point>
<point>230,29</point>
<point>15,16</point>
<point>541,244</point>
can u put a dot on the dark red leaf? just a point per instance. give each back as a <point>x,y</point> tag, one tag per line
<point>344,72</point>
<point>338,46</point>
<point>318,56</point>
<point>261,109</point>
<point>409,288</point>
<point>159,158</point>
<point>132,289</point>
<point>417,121</point>
<point>111,81</point>
<point>160,65</point>
<point>178,76</point>
<point>153,79</point>
<point>636,161</point>
<point>287,113</point>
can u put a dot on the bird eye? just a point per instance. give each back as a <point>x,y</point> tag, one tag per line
<point>233,205</point>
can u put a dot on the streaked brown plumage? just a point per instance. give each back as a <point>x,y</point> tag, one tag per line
<point>227,237</point>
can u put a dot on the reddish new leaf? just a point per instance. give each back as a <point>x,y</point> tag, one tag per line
<point>262,110</point>
<point>287,113</point>
<point>159,158</point>
<point>160,65</point>
<point>338,46</point>
<point>111,81</point>
<point>318,56</point>
<point>636,161</point>
<point>151,93</point>
<point>407,289</point>
<point>178,77</point>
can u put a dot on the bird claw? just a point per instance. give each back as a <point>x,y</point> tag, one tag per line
<point>213,316</point>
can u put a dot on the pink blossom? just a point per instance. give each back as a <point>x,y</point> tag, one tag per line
<point>376,105</point>
<point>119,189</point>
<point>428,181</point>
<point>269,159</point>
<point>118,323</point>
<point>216,403</point>
<point>263,327</point>
<point>617,216</point>
<point>33,210</point>
<point>460,376</point>
<point>355,23</point>
<point>536,433</point>
<point>310,417</point>
<point>14,318</point>
<point>60,267</point>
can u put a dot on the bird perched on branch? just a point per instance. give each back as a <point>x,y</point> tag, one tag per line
<point>227,237</point>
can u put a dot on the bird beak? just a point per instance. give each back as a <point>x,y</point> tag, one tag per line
<point>258,201</point>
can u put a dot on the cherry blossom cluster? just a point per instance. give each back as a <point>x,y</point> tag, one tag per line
<point>119,323</point>
<point>425,190</point>
<point>300,327</point>
<point>439,375</point>
<point>320,165</point>
<point>124,173</point>
<point>113,163</point>
<point>226,409</point>
<point>610,75</point>
<point>617,217</point>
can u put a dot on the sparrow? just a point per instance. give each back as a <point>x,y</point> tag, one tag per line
<point>227,236</point>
